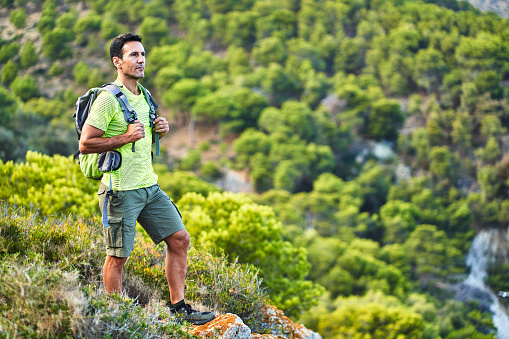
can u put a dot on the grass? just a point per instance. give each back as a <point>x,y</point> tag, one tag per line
<point>50,286</point>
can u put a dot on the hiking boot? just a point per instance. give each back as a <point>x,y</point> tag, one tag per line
<point>192,316</point>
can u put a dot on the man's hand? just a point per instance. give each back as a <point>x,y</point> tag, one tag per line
<point>161,126</point>
<point>135,131</point>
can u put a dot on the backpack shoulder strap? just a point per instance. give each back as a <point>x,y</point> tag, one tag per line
<point>152,114</point>
<point>129,113</point>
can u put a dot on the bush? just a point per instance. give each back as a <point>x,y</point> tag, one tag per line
<point>8,51</point>
<point>9,72</point>
<point>111,28</point>
<point>18,18</point>
<point>191,162</point>
<point>154,31</point>
<point>46,24</point>
<point>28,55</point>
<point>40,300</point>
<point>25,88</point>
<point>211,171</point>
<point>7,105</point>
<point>56,69</point>
<point>55,43</point>
<point>81,72</point>
<point>53,255</point>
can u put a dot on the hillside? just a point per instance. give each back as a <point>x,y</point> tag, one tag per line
<point>371,136</point>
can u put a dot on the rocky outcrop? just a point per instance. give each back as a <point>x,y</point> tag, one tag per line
<point>274,323</point>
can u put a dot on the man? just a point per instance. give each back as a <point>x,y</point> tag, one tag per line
<point>136,196</point>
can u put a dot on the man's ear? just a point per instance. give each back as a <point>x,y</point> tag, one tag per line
<point>117,62</point>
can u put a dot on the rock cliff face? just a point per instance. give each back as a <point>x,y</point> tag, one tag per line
<point>274,322</point>
<point>501,7</point>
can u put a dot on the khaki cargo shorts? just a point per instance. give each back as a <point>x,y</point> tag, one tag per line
<point>150,206</point>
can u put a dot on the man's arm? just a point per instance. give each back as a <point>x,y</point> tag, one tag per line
<point>91,140</point>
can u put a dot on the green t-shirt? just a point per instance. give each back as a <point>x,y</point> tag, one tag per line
<point>106,114</point>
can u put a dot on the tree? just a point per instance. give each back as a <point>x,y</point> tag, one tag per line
<point>154,31</point>
<point>166,77</point>
<point>269,50</point>
<point>9,72</point>
<point>25,88</point>
<point>285,176</point>
<point>429,69</point>
<point>280,23</point>
<point>399,219</point>
<point>183,94</point>
<point>371,320</point>
<point>18,18</point>
<point>110,28</point>
<point>489,82</point>
<point>384,120</point>
<point>238,61</point>
<point>81,72</point>
<point>55,43</point>
<point>443,166</point>
<point>218,107</point>
<point>294,118</point>
<point>7,105</point>
<point>482,52</point>
<point>434,258</point>
<point>421,144</point>
<point>28,55</point>
<point>249,144</point>
<point>8,51</point>
<point>462,132</point>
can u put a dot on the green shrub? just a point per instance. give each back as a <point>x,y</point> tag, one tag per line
<point>95,78</point>
<point>111,28</point>
<point>178,183</point>
<point>41,300</point>
<point>8,51</point>
<point>18,18</point>
<point>211,280</point>
<point>9,72</point>
<point>81,72</point>
<point>28,55</point>
<point>154,31</point>
<point>46,24</point>
<point>211,171</point>
<point>56,69</point>
<point>191,161</point>
<point>67,20</point>
<point>25,88</point>
<point>55,43</point>
<point>7,105</point>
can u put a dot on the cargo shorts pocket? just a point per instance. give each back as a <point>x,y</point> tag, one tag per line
<point>113,233</point>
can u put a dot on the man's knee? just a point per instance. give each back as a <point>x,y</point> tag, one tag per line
<point>178,241</point>
<point>115,262</point>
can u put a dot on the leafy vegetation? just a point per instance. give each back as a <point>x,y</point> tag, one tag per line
<point>375,131</point>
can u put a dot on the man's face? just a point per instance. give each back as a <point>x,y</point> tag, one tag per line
<point>132,63</point>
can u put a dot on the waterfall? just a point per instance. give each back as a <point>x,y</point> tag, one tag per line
<point>486,245</point>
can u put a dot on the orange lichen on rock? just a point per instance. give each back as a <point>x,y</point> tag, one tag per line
<point>273,322</point>
<point>220,325</point>
<point>281,325</point>
<point>266,336</point>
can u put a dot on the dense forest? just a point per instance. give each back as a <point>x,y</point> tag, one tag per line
<point>374,133</point>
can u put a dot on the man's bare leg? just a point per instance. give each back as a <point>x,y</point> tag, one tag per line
<point>176,263</point>
<point>112,274</point>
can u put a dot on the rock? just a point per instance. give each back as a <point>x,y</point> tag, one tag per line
<point>281,327</point>
<point>230,326</point>
<point>227,326</point>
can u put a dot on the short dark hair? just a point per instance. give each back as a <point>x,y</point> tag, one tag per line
<point>118,43</point>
